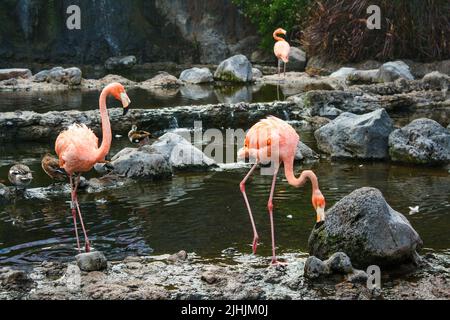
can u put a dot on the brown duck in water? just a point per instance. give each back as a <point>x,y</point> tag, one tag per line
<point>20,175</point>
<point>50,165</point>
<point>139,137</point>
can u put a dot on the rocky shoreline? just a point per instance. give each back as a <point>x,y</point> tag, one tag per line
<point>235,276</point>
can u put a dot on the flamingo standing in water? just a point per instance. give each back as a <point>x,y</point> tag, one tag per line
<point>275,141</point>
<point>78,151</point>
<point>281,49</point>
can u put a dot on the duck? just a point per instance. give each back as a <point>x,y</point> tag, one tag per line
<point>139,137</point>
<point>20,176</point>
<point>50,165</point>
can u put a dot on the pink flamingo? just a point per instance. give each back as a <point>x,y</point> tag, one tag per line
<point>78,151</point>
<point>275,141</point>
<point>281,49</point>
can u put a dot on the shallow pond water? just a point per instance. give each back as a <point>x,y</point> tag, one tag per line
<point>141,99</point>
<point>205,212</point>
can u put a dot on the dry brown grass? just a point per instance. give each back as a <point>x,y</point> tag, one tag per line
<point>413,29</point>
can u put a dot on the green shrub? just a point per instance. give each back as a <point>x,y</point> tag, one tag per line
<point>268,15</point>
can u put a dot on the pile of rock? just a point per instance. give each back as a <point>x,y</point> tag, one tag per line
<point>58,75</point>
<point>169,152</point>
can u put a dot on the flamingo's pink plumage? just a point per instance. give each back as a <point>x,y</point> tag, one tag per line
<point>274,140</point>
<point>281,48</point>
<point>78,151</point>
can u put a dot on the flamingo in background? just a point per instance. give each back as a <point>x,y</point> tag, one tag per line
<point>78,151</point>
<point>273,140</point>
<point>281,49</point>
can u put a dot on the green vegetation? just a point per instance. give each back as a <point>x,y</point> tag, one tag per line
<point>268,15</point>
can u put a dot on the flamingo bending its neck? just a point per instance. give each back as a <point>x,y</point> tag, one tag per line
<point>272,140</point>
<point>78,151</point>
<point>281,49</point>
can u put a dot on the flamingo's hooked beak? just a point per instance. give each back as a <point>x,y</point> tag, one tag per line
<point>320,214</point>
<point>125,102</point>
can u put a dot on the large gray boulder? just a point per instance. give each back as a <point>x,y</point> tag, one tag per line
<point>180,153</point>
<point>118,63</point>
<point>297,59</point>
<point>391,71</point>
<point>235,69</point>
<point>368,230</point>
<point>423,141</point>
<point>6,74</point>
<point>197,75</point>
<point>140,163</point>
<point>356,136</point>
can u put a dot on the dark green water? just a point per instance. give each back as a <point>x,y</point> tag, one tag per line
<point>141,99</point>
<point>205,212</point>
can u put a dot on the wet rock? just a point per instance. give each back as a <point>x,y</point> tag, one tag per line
<point>235,69</point>
<point>257,74</point>
<point>180,153</point>
<point>162,80</point>
<point>179,256</point>
<point>118,63</point>
<point>197,75</point>
<point>367,229</point>
<point>356,136</point>
<point>11,279</point>
<point>339,263</point>
<point>437,79</point>
<point>423,141</point>
<point>343,72</point>
<point>297,59</point>
<point>357,276</point>
<point>58,75</point>
<point>391,71</point>
<point>73,76</point>
<point>140,163</point>
<point>363,76</point>
<point>5,194</point>
<point>315,268</point>
<point>6,74</point>
<point>305,153</point>
<point>42,76</point>
<point>210,277</point>
<point>92,261</point>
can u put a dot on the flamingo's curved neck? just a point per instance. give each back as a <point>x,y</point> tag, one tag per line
<point>300,181</point>
<point>106,127</point>
<point>276,37</point>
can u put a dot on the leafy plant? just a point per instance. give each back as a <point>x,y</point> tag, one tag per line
<point>268,15</point>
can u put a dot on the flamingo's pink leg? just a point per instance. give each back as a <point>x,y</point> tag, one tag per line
<point>242,186</point>
<point>279,69</point>
<point>86,239</point>
<point>74,213</point>
<point>270,208</point>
